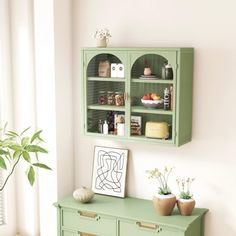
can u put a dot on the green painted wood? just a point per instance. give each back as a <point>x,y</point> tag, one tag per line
<point>117,216</point>
<point>142,109</point>
<point>106,107</point>
<point>157,81</point>
<point>133,59</point>
<point>74,221</point>
<point>106,79</point>
<point>133,209</point>
<point>70,233</point>
<point>184,98</point>
<point>134,228</point>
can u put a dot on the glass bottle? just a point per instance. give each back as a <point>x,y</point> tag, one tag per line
<point>110,98</point>
<point>102,100</point>
<point>100,126</point>
<point>119,99</point>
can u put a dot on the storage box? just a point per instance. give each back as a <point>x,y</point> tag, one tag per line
<point>117,70</point>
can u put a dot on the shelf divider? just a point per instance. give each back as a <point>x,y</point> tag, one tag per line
<point>142,109</point>
<point>106,107</point>
<point>108,79</point>
<point>155,81</point>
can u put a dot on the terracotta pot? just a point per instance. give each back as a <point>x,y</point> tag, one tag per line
<point>164,204</point>
<point>186,206</point>
<point>102,43</point>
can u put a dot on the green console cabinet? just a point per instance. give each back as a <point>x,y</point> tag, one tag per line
<point>111,216</point>
<point>110,71</point>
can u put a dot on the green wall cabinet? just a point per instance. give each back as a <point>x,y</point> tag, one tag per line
<point>111,216</point>
<point>133,86</point>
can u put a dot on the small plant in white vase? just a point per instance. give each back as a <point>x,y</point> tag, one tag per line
<point>185,203</point>
<point>102,36</point>
<point>164,201</point>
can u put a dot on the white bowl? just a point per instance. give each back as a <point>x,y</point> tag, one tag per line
<point>152,103</point>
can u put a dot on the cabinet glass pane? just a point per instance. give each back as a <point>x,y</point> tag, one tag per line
<point>96,90</point>
<point>94,116</point>
<point>153,61</point>
<point>145,117</point>
<point>100,65</point>
<point>138,90</point>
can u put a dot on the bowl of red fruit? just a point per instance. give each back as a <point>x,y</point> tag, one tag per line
<point>152,100</point>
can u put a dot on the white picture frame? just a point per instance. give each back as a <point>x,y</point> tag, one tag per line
<point>109,171</point>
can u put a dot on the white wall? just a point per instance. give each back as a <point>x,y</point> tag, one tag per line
<point>209,27</point>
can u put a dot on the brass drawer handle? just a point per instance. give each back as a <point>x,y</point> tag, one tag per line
<point>86,234</point>
<point>89,214</point>
<point>147,225</point>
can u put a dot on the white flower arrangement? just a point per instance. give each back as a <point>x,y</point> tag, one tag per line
<point>184,185</point>
<point>102,33</point>
<point>162,177</point>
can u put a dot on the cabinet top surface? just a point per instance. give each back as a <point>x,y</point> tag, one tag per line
<point>132,208</point>
<point>138,49</point>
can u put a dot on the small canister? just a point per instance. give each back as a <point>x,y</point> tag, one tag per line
<point>119,99</point>
<point>168,72</point>
<point>110,98</point>
<point>102,99</point>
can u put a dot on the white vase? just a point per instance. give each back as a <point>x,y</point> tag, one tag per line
<point>102,43</point>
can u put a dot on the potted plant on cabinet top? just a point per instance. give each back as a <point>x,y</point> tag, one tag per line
<point>185,202</point>
<point>102,36</point>
<point>16,147</point>
<point>164,201</point>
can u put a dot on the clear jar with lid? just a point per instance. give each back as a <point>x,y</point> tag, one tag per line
<point>110,98</point>
<point>119,99</point>
<point>102,99</point>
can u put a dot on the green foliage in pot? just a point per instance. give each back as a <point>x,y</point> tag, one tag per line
<point>162,178</point>
<point>184,187</point>
<point>16,147</point>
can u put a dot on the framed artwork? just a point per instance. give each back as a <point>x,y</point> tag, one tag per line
<point>109,171</point>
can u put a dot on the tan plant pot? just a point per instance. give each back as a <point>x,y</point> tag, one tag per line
<point>102,43</point>
<point>186,206</point>
<point>164,204</point>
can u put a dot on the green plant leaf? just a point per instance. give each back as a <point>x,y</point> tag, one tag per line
<point>3,152</point>
<point>37,156</point>
<point>31,175</point>
<point>25,141</point>
<point>5,127</point>
<point>12,133</point>
<point>3,164</point>
<point>16,147</point>
<point>35,148</point>
<point>16,154</point>
<point>26,156</point>
<point>8,142</point>
<point>40,165</point>
<point>24,131</point>
<point>35,136</point>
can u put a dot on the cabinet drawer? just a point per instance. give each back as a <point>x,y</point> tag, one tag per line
<point>88,222</point>
<point>71,233</point>
<point>138,228</point>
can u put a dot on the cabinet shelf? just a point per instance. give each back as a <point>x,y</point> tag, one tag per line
<point>108,79</point>
<point>141,109</point>
<point>106,107</point>
<point>154,81</point>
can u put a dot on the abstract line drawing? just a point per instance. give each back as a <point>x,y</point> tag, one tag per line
<point>109,171</point>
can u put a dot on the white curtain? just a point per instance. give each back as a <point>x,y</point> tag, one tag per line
<point>36,91</point>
